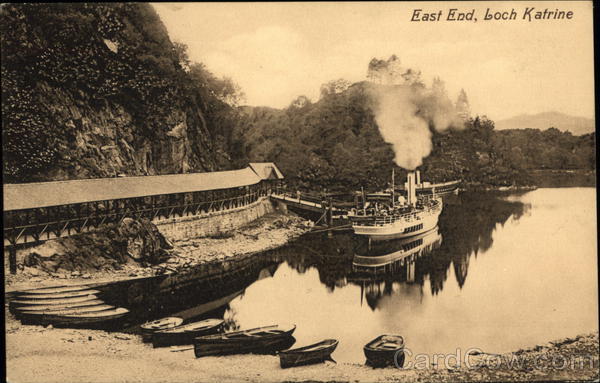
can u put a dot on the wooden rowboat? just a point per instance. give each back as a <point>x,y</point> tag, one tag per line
<point>72,310</point>
<point>268,339</point>
<point>54,289</point>
<point>149,328</point>
<point>314,353</point>
<point>39,316</point>
<point>55,302</point>
<point>77,319</point>
<point>385,350</point>
<point>185,334</point>
<point>57,295</point>
<point>93,302</point>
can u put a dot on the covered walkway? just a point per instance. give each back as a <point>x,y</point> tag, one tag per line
<point>44,210</point>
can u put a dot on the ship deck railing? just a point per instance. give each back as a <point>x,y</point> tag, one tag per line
<point>385,220</point>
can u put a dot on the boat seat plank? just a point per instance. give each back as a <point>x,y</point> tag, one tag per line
<point>314,348</point>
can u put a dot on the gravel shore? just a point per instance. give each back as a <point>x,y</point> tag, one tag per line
<point>38,354</point>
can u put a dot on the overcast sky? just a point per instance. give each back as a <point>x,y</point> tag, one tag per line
<point>278,51</point>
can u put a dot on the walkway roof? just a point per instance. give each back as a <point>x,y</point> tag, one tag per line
<point>266,170</point>
<point>44,194</point>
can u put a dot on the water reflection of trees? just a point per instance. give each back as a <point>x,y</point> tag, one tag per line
<point>331,256</point>
<point>200,293</point>
<point>466,224</point>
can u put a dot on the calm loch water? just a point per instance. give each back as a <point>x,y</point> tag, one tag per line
<point>505,271</point>
<point>501,272</point>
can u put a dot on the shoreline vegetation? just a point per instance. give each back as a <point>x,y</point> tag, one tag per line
<point>542,178</point>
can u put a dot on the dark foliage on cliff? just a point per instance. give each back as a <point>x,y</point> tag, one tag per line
<point>336,143</point>
<point>96,90</point>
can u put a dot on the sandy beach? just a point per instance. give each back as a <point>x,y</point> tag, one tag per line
<point>38,354</point>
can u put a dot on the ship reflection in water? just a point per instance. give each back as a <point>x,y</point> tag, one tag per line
<point>380,264</point>
<point>382,255</point>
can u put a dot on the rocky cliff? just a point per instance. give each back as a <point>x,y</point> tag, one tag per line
<point>99,90</point>
<point>106,141</point>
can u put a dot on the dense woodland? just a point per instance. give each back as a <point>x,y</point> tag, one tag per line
<point>120,55</point>
<point>335,143</point>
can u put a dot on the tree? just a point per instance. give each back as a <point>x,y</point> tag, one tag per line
<point>412,78</point>
<point>334,87</point>
<point>388,72</point>
<point>462,105</point>
<point>300,102</point>
<point>375,70</point>
<point>182,55</point>
<point>438,88</point>
<point>393,70</point>
<point>210,86</point>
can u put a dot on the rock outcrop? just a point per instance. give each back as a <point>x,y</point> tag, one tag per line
<point>131,241</point>
<point>99,90</point>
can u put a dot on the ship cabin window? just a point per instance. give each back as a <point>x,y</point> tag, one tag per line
<point>414,228</point>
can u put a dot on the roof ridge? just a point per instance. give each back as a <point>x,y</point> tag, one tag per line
<point>120,178</point>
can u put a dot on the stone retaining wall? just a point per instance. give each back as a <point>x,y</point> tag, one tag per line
<point>214,223</point>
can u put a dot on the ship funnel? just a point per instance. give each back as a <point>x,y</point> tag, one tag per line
<point>411,188</point>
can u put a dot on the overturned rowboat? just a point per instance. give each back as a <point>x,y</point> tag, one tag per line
<point>56,295</point>
<point>314,353</point>
<point>41,316</point>
<point>385,350</point>
<point>81,318</point>
<point>54,290</point>
<point>149,328</point>
<point>93,302</point>
<point>16,303</point>
<point>186,333</point>
<point>264,340</point>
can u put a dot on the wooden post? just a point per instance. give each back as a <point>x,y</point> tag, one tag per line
<point>330,218</point>
<point>36,221</point>
<point>12,258</point>
<point>393,191</point>
<point>78,215</point>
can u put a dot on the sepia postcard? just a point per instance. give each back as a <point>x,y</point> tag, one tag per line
<point>299,191</point>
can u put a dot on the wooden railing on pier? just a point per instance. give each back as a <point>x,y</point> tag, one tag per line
<point>305,202</point>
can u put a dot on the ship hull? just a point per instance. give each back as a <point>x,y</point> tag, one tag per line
<point>399,229</point>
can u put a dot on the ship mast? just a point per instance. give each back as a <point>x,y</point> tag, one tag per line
<point>364,200</point>
<point>393,196</point>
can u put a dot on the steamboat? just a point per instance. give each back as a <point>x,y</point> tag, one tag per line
<point>405,217</point>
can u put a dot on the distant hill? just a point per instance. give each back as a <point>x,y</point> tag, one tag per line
<point>542,121</point>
